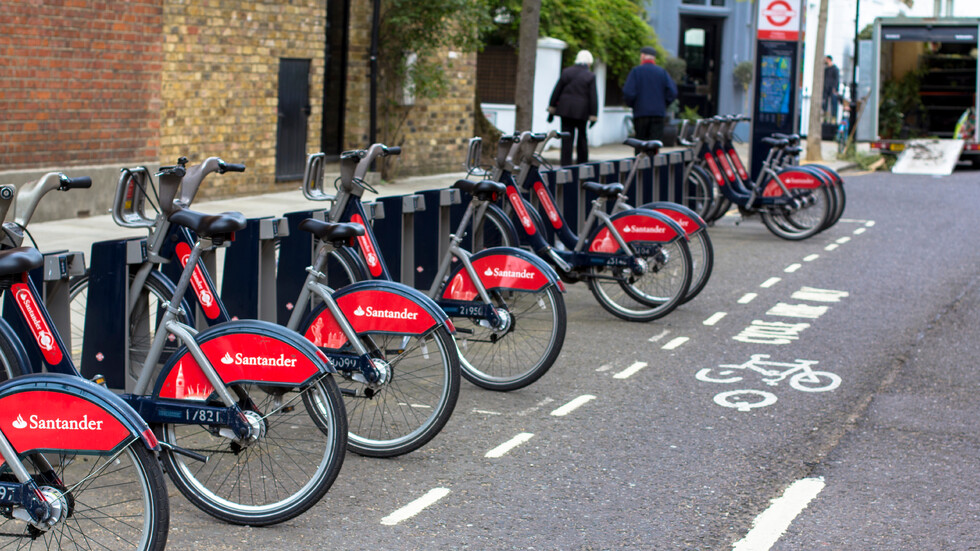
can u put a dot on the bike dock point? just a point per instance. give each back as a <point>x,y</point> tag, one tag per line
<point>263,270</point>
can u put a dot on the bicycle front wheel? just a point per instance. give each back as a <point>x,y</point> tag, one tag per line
<point>495,230</point>
<point>520,353</point>
<point>143,320</point>
<point>111,502</point>
<point>409,410</point>
<point>700,195</point>
<point>285,470</point>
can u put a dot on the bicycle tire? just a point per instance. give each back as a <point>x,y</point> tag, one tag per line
<point>114,501</point>
<point>496,230</point>
<point>298,455</point>
<point>703,261</point>
<point>413,407</point>
<point>804,222</point>
<point>522,353</point>
<point>621,297</point>
<point>700,195</point>
<point>141,330</point>
<point>11,364</point>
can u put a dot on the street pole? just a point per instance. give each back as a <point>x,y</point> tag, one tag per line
<point>854,69</point>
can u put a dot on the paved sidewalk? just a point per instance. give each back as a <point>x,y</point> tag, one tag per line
<point>78,234</point>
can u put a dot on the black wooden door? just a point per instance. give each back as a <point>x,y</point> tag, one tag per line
<point>294,110</point>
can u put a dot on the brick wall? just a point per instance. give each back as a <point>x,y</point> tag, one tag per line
<point>436,134</point>
<point>78,87</point>
<point>220,89</point>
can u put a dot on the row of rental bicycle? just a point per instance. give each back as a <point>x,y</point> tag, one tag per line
<point>250,419</point>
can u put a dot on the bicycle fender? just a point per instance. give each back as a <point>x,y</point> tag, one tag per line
<point>793,178</point>
<point>501,268</point>
<point>830,173</point>
<point>636,225</point>
<point>688,220</point>
<point>242,351</point>
<point>375,306</point>
<point>53,412</point>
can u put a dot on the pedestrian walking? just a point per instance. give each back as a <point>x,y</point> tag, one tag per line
<point>831,84</point>
<point>576,101</point>
<point>649,90</point>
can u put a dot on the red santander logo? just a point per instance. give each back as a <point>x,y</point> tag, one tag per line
<point>38,325</point>
<point>205,295</point>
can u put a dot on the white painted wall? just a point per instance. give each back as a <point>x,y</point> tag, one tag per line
<point>610,126</point>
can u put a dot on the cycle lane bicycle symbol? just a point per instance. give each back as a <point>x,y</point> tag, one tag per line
<point>801,376</point>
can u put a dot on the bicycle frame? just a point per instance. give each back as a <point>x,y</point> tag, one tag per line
<point>166,242</point>
<point>606,246</point>
<point>347,207</point>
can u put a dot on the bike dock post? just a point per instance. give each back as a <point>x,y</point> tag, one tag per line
<point>106,347</point>
<point>295,255</point>
<point>395,234</point>
<point>430,222</point>
<point>575,203</point>
<point>52,280</point>
<point>643,186</point>
<point>248,288</point>
<point>675,178</point>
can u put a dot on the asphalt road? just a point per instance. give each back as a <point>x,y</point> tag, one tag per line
<point>668,450</point>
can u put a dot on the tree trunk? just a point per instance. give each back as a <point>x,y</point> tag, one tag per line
<point>526,56</point>
<point>813,137</point>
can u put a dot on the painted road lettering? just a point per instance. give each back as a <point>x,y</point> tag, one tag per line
<point>771,332</point>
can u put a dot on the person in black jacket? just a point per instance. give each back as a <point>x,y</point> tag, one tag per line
<point>576,101</point>
<point>831,82</point>
<point>649,90</point>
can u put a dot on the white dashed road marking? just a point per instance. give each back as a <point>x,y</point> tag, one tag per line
<point>747,298</point>
<point>859,231</point>
<point>715,318</point>
<point>843,240</point>
<point>792,268</point>
<point>811,258</point>
<point>770,282</point>
<point>502,449</point>
<point>831,247</point>
<point>415,507</point>
<point>773,522</point>
<point>573,405</point>
<point>674,343</point>
<point>630,370</point>
<point>659,336</point>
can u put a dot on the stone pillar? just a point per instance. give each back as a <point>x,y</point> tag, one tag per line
<point>547,69</point>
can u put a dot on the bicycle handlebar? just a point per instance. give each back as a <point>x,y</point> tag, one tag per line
<point>188,180</point>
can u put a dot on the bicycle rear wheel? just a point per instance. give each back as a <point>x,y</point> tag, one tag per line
<point>702,260</point>
<point>414,405</point>
<point>286,470</point>
<point>650,295</point>
<point>111,502</point>
<point>521,353</point>
<point>800,222</point>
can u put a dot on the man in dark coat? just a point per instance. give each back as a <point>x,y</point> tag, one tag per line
<point>831,83</point>
<point>576,101</point>
<point>649,90</point>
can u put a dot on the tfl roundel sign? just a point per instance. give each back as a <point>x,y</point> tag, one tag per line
<point>779,20</point>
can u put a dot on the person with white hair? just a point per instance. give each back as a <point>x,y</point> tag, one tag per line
<point>576,100</point>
